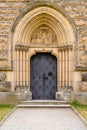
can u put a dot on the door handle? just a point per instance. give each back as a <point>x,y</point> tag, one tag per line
<point>44,79</point>
<point>44,76</point>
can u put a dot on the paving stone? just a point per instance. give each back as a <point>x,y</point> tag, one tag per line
<point>43,119</point>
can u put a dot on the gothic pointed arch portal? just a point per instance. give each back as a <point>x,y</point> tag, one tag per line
<point>44,29</point>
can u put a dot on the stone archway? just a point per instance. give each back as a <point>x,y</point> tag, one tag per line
<point>43,14</point>
<point>41,29</point>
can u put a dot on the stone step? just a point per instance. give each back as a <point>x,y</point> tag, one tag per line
<point>43,102</point>
<point>44,106</point>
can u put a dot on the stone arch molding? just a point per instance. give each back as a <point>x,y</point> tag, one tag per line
<point>48,17</point>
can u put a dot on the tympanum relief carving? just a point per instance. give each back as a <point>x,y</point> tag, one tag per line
<point>43,35</point>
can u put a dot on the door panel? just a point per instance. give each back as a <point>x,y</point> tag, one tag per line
<point>43,76</point>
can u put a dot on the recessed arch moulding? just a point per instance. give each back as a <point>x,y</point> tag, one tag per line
<point>40,16</point>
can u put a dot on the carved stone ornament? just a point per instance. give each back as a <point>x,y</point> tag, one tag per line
<point>20,47</point>
<point>84,77</point>
<point>2,76</point>
<point>83,86</point>
<point>43,35</point>
<point>3,54</point>
<point>5,86</point>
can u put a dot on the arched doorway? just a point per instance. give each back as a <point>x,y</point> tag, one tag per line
<point>44,29</point>
<point>43,76</point>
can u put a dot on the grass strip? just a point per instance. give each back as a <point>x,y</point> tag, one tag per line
<point>5,109</point>
<point>82,109</point>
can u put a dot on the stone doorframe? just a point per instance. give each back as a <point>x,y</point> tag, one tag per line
<point>63,55</point>
<point>37,18</point>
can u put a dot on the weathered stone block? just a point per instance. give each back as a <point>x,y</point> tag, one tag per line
<point>84,86</point>
<point>84,77</point>
<point>81,97</point>
<point>5,86</point>
<point>9,98</point>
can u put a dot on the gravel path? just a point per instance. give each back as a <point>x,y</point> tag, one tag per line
<point>43,119</point>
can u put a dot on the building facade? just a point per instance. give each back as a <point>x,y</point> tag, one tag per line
<point>43,51</point>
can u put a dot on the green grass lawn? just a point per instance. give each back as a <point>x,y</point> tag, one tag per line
<point>82,109</point>
<point>5,109</point>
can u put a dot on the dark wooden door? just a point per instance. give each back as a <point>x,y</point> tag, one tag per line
<point>43,76</point>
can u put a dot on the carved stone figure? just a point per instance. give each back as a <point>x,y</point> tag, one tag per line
<point>43,35</point>
<point>2,76</point>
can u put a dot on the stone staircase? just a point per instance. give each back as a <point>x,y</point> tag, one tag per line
<point>44,104</point>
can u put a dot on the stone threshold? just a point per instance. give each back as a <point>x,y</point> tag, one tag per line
<point>44,106</point>
<point>44,101</point>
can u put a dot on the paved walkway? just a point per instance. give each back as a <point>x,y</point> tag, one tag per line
<point>43,119</point>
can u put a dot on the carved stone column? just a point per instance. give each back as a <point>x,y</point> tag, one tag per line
<point>22,72</point>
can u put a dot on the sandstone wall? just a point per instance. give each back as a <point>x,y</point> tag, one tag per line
<point>11,9</point>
